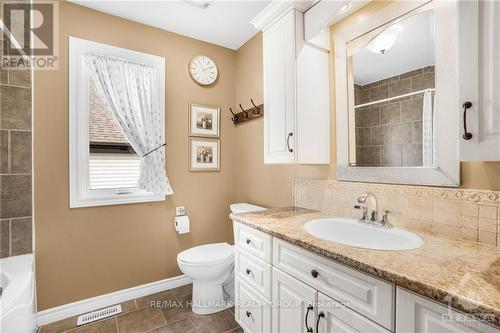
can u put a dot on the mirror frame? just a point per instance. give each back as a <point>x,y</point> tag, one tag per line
<point>447,169</point>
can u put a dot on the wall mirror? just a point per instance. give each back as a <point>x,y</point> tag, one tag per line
<point>393,83</point>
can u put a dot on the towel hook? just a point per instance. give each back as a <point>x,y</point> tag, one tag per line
<point>245,113</point>
<point>234,117</point>
<point>257,110</point>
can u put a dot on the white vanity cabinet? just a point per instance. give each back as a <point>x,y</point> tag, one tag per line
<point>253,278</point>
<point>296,92</point>
<point>369,296</point>
<point>297,300</point>
<point>283,288</point>
<point>416,314</point>
<point>479,45</point>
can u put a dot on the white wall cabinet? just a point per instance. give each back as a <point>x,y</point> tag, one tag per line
<point>479,45</point>
<point>307,293</point>
<point>296,93</point>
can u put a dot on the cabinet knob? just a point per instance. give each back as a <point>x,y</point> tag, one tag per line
<point>249,314</point>
<point>249,240</point>
<point>248,271</point>
<point>314,273</point>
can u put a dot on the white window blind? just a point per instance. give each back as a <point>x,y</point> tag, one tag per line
<point>108,171</point>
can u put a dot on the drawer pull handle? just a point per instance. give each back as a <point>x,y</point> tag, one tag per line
<point>314,273</point>
<point>320,315</point>
<point>249,314</point>
<point>309,329</point>
<point>288,142</point>
<point>249,240</point>
<point>248,271</point>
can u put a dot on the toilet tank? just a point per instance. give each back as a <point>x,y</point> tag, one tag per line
<point>245,208</point>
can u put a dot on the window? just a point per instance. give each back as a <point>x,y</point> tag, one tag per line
<point>113,163</point>
<point>104,167</point>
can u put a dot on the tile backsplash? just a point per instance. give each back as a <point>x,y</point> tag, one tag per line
<point>472,215</point>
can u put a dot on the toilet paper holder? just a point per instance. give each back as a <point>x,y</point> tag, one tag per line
<point>182,224</point>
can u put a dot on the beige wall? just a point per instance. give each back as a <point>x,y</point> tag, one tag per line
<point>86,252</point>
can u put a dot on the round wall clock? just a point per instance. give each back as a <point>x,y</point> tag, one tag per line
<point>203,70</point>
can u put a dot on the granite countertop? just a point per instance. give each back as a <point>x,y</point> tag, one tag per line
<point>465,275</point>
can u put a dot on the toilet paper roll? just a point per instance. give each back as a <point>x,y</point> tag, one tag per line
<point>182,224</point>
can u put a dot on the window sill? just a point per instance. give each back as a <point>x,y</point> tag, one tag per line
<point>92,200</point>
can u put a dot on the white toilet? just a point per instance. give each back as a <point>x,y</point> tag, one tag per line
<point>211,267</point>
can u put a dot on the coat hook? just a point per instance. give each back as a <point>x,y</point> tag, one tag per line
<point>245,113</point>
<point>234,117</point>
<point>257,110</point>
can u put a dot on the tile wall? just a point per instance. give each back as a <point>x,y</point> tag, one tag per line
<point>15,162</point>
<point>390,133</point>
<point>453,213</point>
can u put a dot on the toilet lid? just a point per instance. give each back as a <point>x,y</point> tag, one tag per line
<point>208,253</point>
<point>245,208</point>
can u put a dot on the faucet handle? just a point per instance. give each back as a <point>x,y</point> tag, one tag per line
<point>385,219</point>
<point>365,211</point>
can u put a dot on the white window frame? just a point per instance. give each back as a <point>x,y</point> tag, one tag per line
<point>80,193</point>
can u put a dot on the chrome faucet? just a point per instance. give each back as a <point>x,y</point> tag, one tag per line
<point>368,203</point>
<point>370,199</point>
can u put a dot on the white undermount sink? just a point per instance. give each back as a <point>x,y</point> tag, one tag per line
<point>353,233</point>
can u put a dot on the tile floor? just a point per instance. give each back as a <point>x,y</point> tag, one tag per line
<point>147,314</point>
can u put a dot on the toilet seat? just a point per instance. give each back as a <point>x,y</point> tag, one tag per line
<point>208,254</point>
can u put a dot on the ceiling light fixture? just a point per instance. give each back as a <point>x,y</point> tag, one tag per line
<point>383,42</point>
<point>202,4</point>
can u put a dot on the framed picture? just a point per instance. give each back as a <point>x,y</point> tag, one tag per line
<point>204,120</point>
<point>204,154</point>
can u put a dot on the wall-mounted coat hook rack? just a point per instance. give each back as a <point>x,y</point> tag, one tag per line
<point>257,111</point>
<point>244,112</point>
<point>235,116</point>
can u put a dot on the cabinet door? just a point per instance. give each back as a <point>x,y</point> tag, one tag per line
<point>479,45</point>
<point>252,311</point>
<point>279,91</point>
<point>333,317</point>
<point>293,301</point>
<point>415,314</point>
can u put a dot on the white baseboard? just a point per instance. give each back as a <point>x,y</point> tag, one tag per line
<point>90,304</point>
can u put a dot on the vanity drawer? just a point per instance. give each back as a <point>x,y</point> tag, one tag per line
<point>366,295</point>
<point>252,311</point>
<point>337,318</point>
<point>254,241</point>
<point>254,271</point>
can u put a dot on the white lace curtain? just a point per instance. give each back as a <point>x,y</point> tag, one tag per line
<point>129,90</point>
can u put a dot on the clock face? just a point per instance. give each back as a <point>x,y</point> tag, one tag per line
<point>203,70</point>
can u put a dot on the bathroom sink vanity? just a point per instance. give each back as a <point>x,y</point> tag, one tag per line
<point>406,80</point>
<point>289,281</point>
